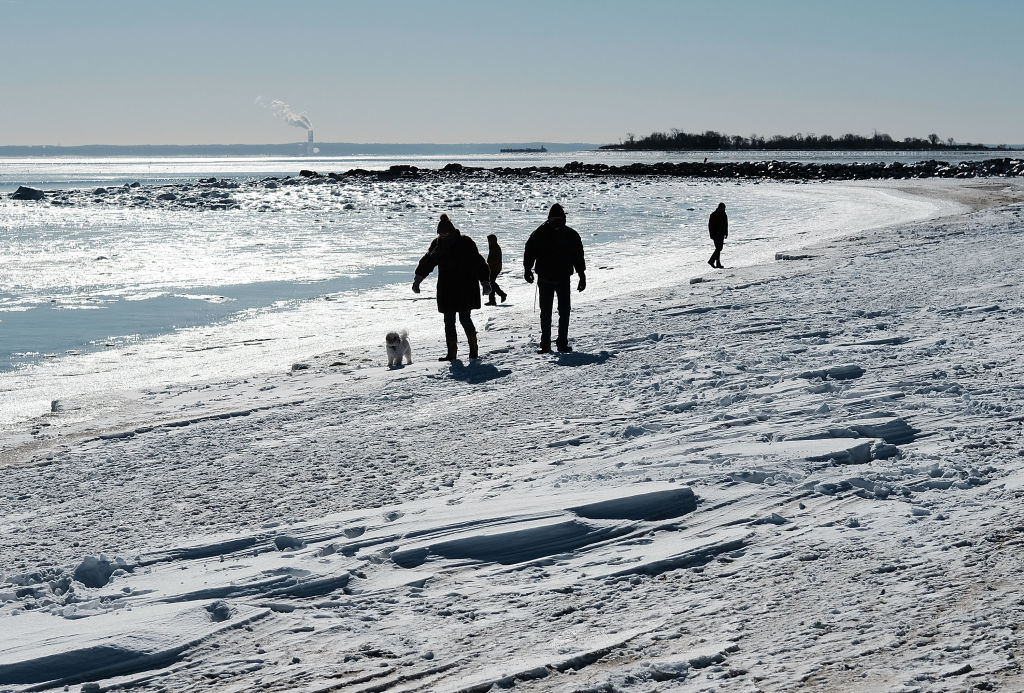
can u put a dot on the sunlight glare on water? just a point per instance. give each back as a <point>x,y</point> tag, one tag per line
<point>97,297</point>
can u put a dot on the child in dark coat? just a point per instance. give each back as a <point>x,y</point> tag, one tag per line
<point>494,265</point>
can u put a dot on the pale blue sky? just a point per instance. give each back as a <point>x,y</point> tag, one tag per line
<point>190,71</point>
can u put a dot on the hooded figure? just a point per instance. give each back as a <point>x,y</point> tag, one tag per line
<point>718,229</point>
<point>555,251</point>
<point>461,272</point>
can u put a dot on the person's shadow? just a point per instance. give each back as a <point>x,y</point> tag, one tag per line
<point>476,372</point>
<point>579,358</point>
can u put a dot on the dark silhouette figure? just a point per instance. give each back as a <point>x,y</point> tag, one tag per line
<point>557,250</point>
<point>461,271</point>
<point>718,229</point>
<point>494,265</point>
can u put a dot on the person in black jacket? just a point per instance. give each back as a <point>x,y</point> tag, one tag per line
<point>494,265</point>
<point>557,250</point>
<point>461,273</point>
<point>718,229</point>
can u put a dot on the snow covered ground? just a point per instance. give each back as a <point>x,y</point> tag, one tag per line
<point>801,474</point>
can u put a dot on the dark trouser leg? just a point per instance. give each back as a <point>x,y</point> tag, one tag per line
<point>546,292</point>
<point>716,260</point>
<point>564,308</point>
<point>470,329</point>
<point>450,337</point>
<point>495,289</point>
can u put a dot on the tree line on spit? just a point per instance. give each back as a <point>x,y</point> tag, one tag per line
<point>712,140</point>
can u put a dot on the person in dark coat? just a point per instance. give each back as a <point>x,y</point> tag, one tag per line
<point>461,273</point>
<point>555,250</point>
<point>494,265</point>
<point>718,229</point>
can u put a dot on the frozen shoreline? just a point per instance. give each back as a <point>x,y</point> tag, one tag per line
<point>791,475</point>
<point>155,263</point>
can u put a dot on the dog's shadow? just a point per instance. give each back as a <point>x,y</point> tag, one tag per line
<point>578,358</point>
<point>476,372</point>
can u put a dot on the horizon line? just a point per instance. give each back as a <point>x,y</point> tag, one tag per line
<point>298,142</point>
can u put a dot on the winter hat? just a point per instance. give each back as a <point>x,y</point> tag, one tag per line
<point>445,225</point>
<point>556,212</point>
<point>492,237</point>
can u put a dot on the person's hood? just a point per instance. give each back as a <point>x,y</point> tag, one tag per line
<point>556,214</point>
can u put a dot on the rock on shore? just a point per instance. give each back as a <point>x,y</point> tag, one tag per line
<point>211,193</point>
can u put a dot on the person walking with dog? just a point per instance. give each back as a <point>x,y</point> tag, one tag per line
<point>718,229</point>
<point>494,265</point>
<point>461,273</point>
<point>555,251</point>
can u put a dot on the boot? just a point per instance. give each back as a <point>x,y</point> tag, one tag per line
<point>453,348</point>
<point>545,348</point>
<point>473,353</point>
<point>503,296</point>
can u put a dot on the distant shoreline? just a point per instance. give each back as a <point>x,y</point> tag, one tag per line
<point>937,149</point>
<point>292,149</point>
<point>343,149</point>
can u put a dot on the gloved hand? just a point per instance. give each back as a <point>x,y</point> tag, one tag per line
<point>583,282</point>
<point>485,288</point>
<point>416,284</point>
<point>528,276</point>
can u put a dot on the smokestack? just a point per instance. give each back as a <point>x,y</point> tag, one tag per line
<point>309,143</point>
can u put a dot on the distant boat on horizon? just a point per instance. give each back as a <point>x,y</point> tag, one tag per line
<point>526,150</point>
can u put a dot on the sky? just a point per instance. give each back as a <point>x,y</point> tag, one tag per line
<point>452,71</point>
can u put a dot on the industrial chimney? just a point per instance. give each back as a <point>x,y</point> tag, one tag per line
<point>309,143</point>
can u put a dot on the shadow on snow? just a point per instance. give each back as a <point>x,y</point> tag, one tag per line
<point>577,358</point>
<point>476,372</point>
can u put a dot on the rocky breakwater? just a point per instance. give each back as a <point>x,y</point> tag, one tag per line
<point>272,193</point>
<point>779,170</point>
<point>792,170</point>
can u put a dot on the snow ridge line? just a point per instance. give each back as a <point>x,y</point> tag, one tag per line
<point>383,686</point>
<point>577,662</point>
<point>127,662</point>
<point>178,423</point>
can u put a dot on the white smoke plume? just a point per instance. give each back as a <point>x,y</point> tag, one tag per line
<point>285,113</point>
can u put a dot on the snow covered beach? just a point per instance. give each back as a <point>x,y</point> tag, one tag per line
<point>799,473</point>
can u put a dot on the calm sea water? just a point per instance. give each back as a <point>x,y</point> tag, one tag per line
<point>99,298</point>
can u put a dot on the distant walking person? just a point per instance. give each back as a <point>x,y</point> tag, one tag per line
<point>461,271</point>
<point>494,265</point>
<point>718,229</point>
<point>557,250</point>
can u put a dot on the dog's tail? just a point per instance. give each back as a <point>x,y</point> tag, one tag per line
<point>404,334</point>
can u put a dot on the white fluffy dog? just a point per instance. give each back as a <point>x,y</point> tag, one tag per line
<point>397,347</point>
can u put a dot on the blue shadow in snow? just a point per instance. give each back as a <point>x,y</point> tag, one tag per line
<point>476,372</point>
<point>577,358</point>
